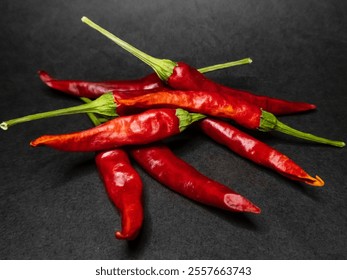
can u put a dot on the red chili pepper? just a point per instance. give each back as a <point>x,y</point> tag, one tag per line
<point>210,103</point>
<point>149,83</point>
<point>252,149</point>
<point>143,128</point>
<point>219,105</point>
<point>96,89</point>
<point>120,89</point>
<point>124,187</point>
<point>184,77</point>
<point>256,151</point>
<point>181,177</point>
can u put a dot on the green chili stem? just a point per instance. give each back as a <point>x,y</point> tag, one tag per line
<point>186,118</point>
<point>103,105</point>
<point>243,61</point>
<point>163,67</point>
<point>94,119</point>
<point>270,122</point>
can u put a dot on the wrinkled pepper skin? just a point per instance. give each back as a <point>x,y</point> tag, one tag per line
<point>185,77</point>
<point>222,106</point>
<point>204,102</point>
<point>124,188</point>
<point>95,89</point>
<point>161,163</point>
<point>143,128</point>
<point>255,150</point>
<point>181,76</point>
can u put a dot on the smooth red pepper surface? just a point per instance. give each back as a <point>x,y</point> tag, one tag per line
<point>124,187</point>
<point>185,77</point>
<point>255,150</point>
<point>95,89</point>
<point>179,176</point>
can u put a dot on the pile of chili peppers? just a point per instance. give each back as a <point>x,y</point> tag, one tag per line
<point>134,118</point>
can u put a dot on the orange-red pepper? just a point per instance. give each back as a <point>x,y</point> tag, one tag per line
<point>219,105</point>
<point>143,128</point>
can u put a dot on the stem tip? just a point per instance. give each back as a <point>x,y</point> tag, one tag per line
<point>4,126</point>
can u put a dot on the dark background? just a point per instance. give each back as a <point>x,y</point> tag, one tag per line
<point>53,204</point>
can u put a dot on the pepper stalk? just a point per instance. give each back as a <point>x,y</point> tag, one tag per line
<point>164,69</point>
<point>104,105</point>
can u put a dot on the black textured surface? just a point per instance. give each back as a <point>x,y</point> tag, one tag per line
<point>53,204</point>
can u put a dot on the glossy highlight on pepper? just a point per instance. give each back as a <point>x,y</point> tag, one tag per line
<point>148,83</point>
<point>124,187</point>
<point>218,105</point>
<point>143,128</point>
<point>256,151</point>
<point>209,103</point>
<point>181,76</point>
<point>161,163</point>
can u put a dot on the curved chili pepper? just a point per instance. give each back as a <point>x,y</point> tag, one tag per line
<point>124,187</point>
<point>96,89</point>
<point>209,103</point>
<point>184,77</point>
<point>219,105</point>
<point>143,85</point>
<point>255,150</point>
<point>181,177</point>
<point>143,128</point>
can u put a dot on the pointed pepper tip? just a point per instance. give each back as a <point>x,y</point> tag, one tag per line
<point>123,236</point>
<point>317,182</point>
<point>239,203</point>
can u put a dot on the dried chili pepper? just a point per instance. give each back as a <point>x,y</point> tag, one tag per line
<point>124,187</point>
<point>171,171</point>
<point>255,150</point>
<point>143,128</point>
<point>184,77</point>
<point>148,83</point>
